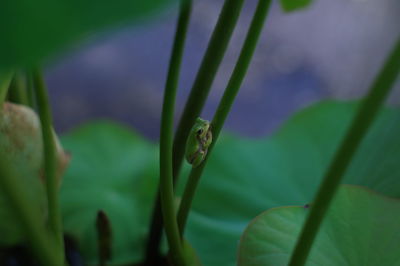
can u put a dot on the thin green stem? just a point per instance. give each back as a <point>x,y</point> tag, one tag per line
<point>5,80</point>
<point>187,198</point>
<point>205,76</point>
<point>40,241</point>
<point>208,69</point>
<point>166,137</point>
<point>17,92</point>
<point>358,129</point>
<point>225,104</point>
<point>30,90</point>
<point>49,159</point>
<point>155,232</point>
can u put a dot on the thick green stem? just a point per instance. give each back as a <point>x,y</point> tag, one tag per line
<point>5,79</point>
<point>225,104</point>
<point>50,162</point>
<point>40,241</point>
<point>358,129</point>
<point>205,77</point>
<point>166,137</point>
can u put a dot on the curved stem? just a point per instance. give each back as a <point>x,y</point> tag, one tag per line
<point>205,76</point>
<point>358,129</point>
<point>40,241</point>
<point>166,136</point>
<point>225,104</point>
<point>49,159</point>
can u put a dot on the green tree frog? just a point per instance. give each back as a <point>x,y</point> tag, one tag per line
<point>200,138</point>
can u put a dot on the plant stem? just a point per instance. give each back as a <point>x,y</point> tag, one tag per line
<point>40,241</point>
<point>49,159</point>
<point>225,104</point>
<point>155,232</point>
<point>358,129</point>
<point>5,80</point>
<point>17,92</point>
<point>30,90</point>
<point>187,197</point>
<point>166,137</point>
<point>205,76</point>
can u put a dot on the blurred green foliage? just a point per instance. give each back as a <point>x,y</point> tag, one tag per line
<point>31,30</point>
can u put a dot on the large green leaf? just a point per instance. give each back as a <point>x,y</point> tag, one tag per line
<point>360,228</point>
<point>114,170</point>
<point>33,29</point>
<point>243,178</point>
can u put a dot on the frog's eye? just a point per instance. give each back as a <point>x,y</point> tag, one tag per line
<point>200,131</point>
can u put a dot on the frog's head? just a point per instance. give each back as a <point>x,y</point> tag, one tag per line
<point>201,128</point>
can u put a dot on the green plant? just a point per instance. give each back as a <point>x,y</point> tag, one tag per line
<point>355,141</point>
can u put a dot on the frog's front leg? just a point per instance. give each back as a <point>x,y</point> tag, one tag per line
<point>208,140</point>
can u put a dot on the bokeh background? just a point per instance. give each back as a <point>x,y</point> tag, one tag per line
<point>331,50</point>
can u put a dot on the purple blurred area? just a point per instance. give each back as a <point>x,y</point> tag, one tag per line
<point>330,51</point>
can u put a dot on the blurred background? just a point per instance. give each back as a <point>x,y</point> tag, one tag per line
<point>331,50</point>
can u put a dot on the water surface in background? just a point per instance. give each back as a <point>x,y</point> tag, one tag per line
<point>331,50</point>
